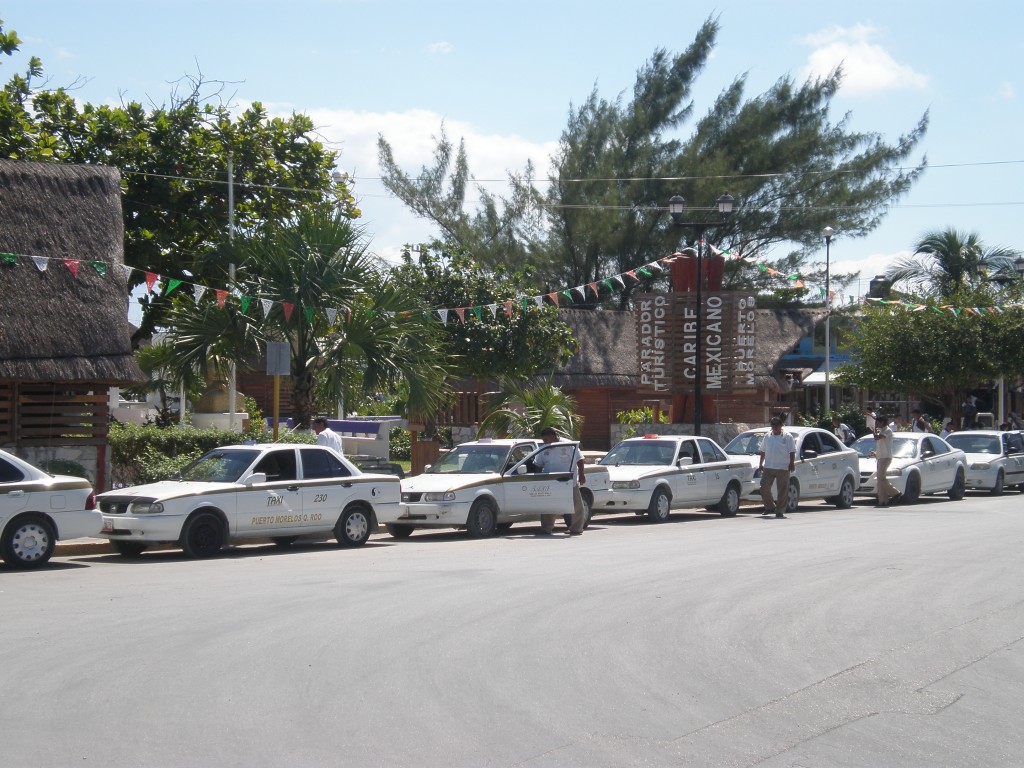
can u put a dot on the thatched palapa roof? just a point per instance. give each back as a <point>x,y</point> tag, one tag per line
<point>56,326</point>
<point>608,356</point>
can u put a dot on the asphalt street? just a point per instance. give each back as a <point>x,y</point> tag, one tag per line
<point>862,637</point>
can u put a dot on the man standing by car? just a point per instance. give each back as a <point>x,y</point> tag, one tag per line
<point>569,461</point>
<point>885,490</point>
<point>326,436</point>
<point>777,462</point>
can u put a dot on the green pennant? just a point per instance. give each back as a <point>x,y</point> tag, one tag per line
<point>955,311</point>
<point>937,310</point>
<point>644,271</point>
<point>568,295</point>
<point>525,304</point>
<point>309,314</point>
<point>477,312</point>
<point>100,267</point>
<point>245,302</point>
<point>172,283</point>
<point>9,258</point>
<point>607,282</point>
<point>762,267</point>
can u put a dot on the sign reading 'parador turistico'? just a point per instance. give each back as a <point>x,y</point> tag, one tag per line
<point>666,325</point>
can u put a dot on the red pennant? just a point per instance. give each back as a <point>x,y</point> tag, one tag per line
<point>508,309</point>
<point>461,312</point>
<point>151,278</point>
<point>72,264</point>
<point>593,287</point>
<point>287,310</point>
<point>222,296</point>
<point>554,298</point>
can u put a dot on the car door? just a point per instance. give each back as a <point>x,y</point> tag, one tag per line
<point>688,483</point>
<point>938,465</point>
<point>716,479</point>
<point>529,494</point>
<point>1013,448</point>
<point>808,465</point>
<point>323,487</point>
<point>13,498</point>
<point>830,466</point>
<point>275,506</point>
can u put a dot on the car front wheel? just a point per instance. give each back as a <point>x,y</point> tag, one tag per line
<point>660,506</point>
<point>730,503</point>
<point>794,496</point>
<point>203,535</point>
<point>29,542</point>
<point>997,489</point>
<point>483,519</point>
<point>959,486</point>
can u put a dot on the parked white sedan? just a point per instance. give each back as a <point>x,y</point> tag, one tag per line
<point>38,509</point>
<point>485,486</point>
<point>921,463</point>
<point>825,468</point>
<point>238,492</point>
<point>994,459</point>
<point>655,474</point>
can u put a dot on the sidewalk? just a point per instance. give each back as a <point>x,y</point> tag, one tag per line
<point>79,547</point>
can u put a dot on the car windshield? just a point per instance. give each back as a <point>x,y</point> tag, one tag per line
<point>902,447</point>
<point>976,443</point>
<point>220,466</point>
<point>647,453</point>
<point>471,459</point>
<point>747,444</point>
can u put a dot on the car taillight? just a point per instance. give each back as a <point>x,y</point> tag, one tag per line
<point>90,503</point>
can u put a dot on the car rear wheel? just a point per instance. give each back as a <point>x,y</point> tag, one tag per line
<point>997,489</point>
<point>794,496</point>
<point>203,535</point>
<point>845,498</point>
<point>660,507</point>
<point>399,531</point>
<point>912,492</point>
<point>483,519</point>
<point>959,486</point>
<point>730,503</point>
<point>353,527</point>
<point>128,548</point>
<point>588,510</point>
<point>29,542</point>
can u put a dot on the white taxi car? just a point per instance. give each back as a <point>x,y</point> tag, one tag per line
<point>656,474</point>
<point>825,468</point>
<point>38,509</point>
<point>237,492</point>
<point>994,459</point>
<point>921,463</point>
<point>487,485</point>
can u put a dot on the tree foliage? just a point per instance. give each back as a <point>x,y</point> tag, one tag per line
<point>522,409</point>
<point>792,170</point>
<point>516,341</point>
<point>173,160</point>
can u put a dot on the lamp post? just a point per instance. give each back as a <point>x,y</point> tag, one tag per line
<point>828,232</point>
<point>676,207</point>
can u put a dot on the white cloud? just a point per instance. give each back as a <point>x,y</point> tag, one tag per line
<point>867,67</point>
<point>442,48</point>
<point>1006,91</point>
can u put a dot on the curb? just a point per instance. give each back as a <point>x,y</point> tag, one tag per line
<point>77,547</point>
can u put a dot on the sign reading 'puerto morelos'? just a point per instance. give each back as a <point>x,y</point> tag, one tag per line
<point>666,325</point>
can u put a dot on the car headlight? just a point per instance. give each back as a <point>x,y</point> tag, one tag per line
<point>894,472</point>
<point>446,496</point>
<point>145,507</point>
<point>981,465</point>
<point>626,485</point>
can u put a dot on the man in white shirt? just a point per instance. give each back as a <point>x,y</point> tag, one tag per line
<point>885,490</point>
<point>327,436</point>
<point>777,462</point>
<point>568,460</point>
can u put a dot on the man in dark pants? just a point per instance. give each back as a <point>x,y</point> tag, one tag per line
<point>777,462</point>
<point>573,461</point>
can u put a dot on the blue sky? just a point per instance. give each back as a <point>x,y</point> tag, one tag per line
<point>503,76</point>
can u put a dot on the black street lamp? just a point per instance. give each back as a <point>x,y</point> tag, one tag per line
<point>676,207</point>
<point>828,232</point>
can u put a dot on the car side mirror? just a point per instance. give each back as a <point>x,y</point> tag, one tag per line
<point>521,469</point>
<point>927,453</point>
<point>685,461</point>
<point>426,467</point>
<point>256,478</point>
<point>809,454</point>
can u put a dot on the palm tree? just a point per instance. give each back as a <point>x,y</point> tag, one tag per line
<point>522,410</point>
<point>947,261</point>
<point>345,319</point>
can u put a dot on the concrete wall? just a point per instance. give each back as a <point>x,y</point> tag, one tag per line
<point>85,455</point>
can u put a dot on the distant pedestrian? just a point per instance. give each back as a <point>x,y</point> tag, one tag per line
<point>947,430</point>
<point>869,419</point>
<point>919,422</point>
<point>884,490</point>
<point>777,462</point>
<point>843,432</point>
<point>969,411</point>
<point>326,436</point>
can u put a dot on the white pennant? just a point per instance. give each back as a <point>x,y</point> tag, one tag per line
<point>199,290</point>
<point>444,316</point>
<point>127,271</point>
<point>267,304</point>
<point>41,262</point>
<point>494,310</point>
<point>539,301</point>
<point>331,314</point>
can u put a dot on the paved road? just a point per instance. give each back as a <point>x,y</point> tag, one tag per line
<point>834,638</point>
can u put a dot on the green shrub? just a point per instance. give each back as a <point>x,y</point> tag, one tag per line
<point>400,444</point>
<point>66,467</point>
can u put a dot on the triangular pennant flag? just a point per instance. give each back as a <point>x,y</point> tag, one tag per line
<point>593,287</point>
<point>100,267</point>
<point>309,315</point>
<point>41,262</point>
<point>331,314</point>
<point>524,303</point>
<point>477,312</point>
<point>508,309</point>
<point>607,283</point>
<point>287,310</point>
<point>494,310</point>
<point>461,312</point>
<point>267,304</point>
<point>198,291</point>
<point>644,271</point>
<point>172,283</point>
<point>443,314</point>
<point>127,271</point>
<point>619,280</point>
<point>222,297</point>
<point>72,265</point>
<point>539,301</point>
<point>554,298</point>
<point>632,274</point>
<point>798,284</point>
<point>10,258</point>
<point>568,295</point>
<point>246,303</point>
<point>151,278</point>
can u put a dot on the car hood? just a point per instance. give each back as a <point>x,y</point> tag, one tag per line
<point>752,458</point>
<point>635,472</point>
<point>433,483</point>
<point>168,489</point>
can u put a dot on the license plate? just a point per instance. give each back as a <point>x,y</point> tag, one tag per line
<point>108,525</point>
